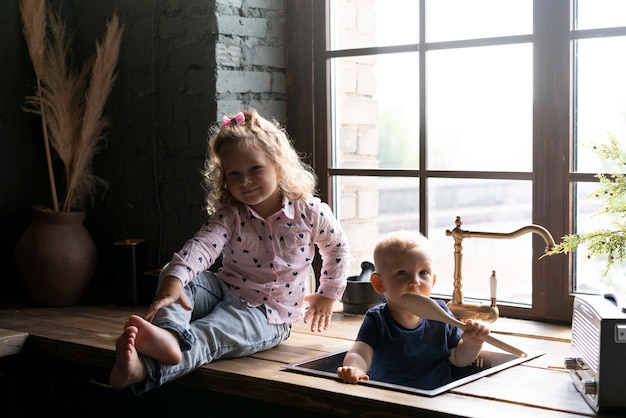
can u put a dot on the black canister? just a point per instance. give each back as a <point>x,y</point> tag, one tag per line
<point>130,263</point>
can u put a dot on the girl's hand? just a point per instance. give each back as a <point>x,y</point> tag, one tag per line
<point>351,374</point>
<point>170,291</point>
<point>320,311</point>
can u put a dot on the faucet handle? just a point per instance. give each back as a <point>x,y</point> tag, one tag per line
<point>493,286</point>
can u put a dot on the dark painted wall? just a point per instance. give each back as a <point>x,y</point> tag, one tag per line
<point>160,108</point>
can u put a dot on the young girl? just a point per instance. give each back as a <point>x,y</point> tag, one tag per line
<point>265,223</point>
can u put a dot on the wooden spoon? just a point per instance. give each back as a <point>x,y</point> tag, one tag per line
<point>425,307</point>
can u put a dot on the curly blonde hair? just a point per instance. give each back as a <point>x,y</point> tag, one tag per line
<point>296,179</point>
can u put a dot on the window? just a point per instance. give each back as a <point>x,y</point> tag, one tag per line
<point>598,39</point>
<point>475,109</point>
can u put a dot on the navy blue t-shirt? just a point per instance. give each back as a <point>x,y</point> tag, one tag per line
<point>411,357</point>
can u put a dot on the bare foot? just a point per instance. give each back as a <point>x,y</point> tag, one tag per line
<point>128,367</point>
<point>152,341</point>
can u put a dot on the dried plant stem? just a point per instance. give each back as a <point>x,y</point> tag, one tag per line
<point>34,17</point>
<point>93,122</point>
<point>53,187</point>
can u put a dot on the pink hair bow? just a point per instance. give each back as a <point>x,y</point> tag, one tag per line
<point>238,119</point>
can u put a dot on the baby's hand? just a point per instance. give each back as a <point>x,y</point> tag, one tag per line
<point>476,330</point>
<point>351,374</point>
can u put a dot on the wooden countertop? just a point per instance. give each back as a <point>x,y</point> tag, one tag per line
<point>539,387</point>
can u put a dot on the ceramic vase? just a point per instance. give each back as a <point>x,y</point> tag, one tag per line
<point>55,257</point>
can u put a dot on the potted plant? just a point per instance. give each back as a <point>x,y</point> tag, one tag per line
<point>56,257</point>
<point>604,242</point>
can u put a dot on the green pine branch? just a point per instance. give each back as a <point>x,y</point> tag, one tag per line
<point>612,192</point>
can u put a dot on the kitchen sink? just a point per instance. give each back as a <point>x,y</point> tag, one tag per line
<point>488,362</point>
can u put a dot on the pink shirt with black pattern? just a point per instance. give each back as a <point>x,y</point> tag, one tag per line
<point>267,261</point>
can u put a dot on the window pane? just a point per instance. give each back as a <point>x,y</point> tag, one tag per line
<point>588,271</point>
<point>370,207</point>
<point>479,108</point>
<point>600,107</point>
<point>449,20</point>
<point>600,14</point>
<point>376,112</point>
<point>500,206</point>
<point>369,23</point>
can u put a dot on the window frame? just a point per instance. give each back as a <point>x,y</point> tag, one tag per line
<point>308,122</point>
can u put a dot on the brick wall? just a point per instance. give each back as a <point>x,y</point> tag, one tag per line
<point>358,138</point>
<point>183,63</point>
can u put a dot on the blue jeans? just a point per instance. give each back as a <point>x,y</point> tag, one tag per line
<point>219,326</point>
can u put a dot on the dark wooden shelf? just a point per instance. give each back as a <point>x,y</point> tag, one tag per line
<point>85,336</point>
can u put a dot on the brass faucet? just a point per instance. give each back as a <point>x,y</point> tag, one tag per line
<point>489,312</point>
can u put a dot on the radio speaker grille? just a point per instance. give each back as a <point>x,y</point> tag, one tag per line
<point>586,344</point>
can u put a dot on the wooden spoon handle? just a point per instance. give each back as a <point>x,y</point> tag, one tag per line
<point>504,346</point>
<point>490,339</point>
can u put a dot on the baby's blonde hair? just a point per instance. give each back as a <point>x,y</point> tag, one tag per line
<point>295,178</point>
<point>398,241</point>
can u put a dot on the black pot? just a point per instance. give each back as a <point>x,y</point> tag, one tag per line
<point>360,296</point>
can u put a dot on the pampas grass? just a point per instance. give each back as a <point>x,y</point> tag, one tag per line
<point>69,101</point>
